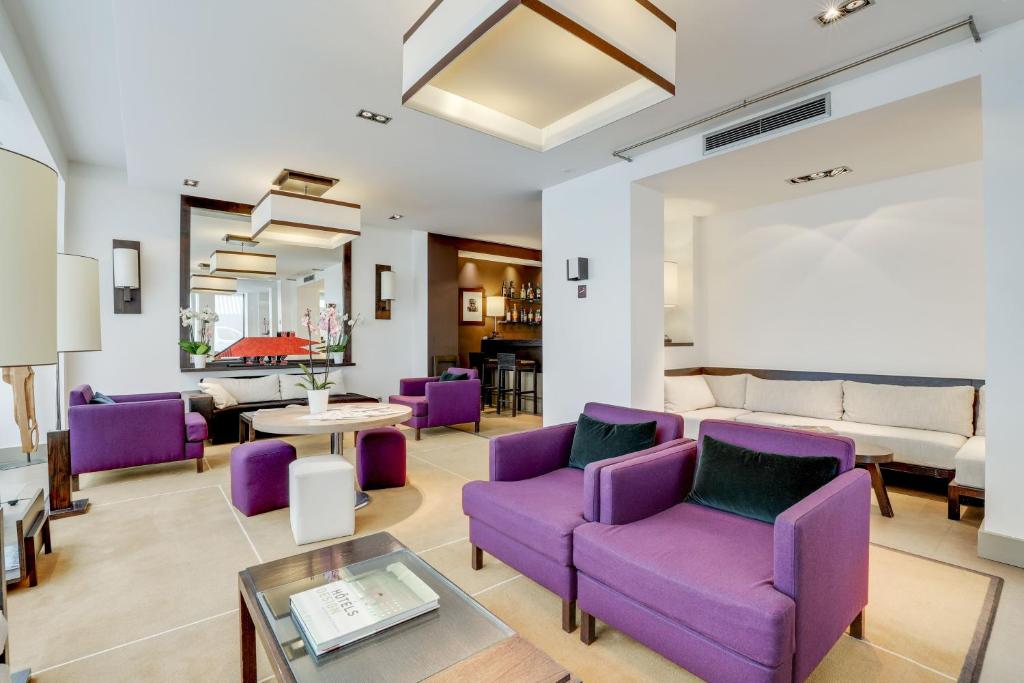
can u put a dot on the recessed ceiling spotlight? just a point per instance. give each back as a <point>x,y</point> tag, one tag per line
<point>396,217</point>
<point>190,183</point>
<point>820,175</point>
<point>842,10</point>
<point>373,116</point>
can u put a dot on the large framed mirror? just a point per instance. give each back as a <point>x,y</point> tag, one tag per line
<point>259,290</point>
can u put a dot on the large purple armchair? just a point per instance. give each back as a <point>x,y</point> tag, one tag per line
<point>440,404</point>
<point>727,597</point>
<point>137,429</point>
<point>525,515</point>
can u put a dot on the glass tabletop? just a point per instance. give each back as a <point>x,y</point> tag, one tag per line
<point>412,651</point>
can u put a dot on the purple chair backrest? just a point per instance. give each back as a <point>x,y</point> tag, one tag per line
<point>464,371</point>
<point>670,425</point>
<point>80,395</point>
<point>780,441</point>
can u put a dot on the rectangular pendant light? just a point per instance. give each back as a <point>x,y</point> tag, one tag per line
<point>215,284</point>
<point>305,220</point>
<point>243,264</point>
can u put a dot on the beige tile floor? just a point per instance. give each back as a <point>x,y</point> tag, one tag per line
<point>143,587</point>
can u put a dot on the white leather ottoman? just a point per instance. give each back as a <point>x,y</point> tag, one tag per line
<point>322,498</point>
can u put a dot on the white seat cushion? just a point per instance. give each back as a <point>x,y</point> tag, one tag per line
<point>222,398</point>
<point>693,418</point>
<point>970,463</point>
<point>940,409</point>
<point>687,392</point>
<point>783,420</point>
<point>249,389</point>
<point>730,391</point>
<point>321,498</point>
<point>811,399</point>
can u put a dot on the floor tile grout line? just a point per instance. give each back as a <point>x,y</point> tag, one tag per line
<point>901,656</point>
<point>443,545</point>
<point>240,526</point>
<point>497,585</point>
<point>134,642</point>
<point>443,469</point>
<point>155,495</point>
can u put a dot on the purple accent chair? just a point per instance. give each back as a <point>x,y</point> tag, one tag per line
<point>727,597</point>
<point>380,458</point>
<point>440,404</point>
<point>137,429</point>
<point>259,475</point>
<point>525,515</point>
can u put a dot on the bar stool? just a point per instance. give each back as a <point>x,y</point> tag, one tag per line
<point>506,367</point>
<point>528,367</point>
<point>487,369</point>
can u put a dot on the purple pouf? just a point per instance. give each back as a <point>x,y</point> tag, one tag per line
<point>380,458</point>
<point>259,476</point>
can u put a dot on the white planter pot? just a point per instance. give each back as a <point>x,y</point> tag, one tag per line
<point>318,400</point>
<point>198,361</point>
<point>337,358</point>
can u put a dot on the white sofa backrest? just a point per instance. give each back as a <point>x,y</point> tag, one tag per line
<point>979,429</point>
<point>822,399</point>
<point>687,392</point>
<point>249,389</point>
<point>290,384</point>
<point>940,409</point>
<point>730,391</point>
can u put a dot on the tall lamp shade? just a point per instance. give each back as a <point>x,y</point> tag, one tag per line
<point>78,303</point>
<point>671,284</point>
<point>126,268</point>
<point>387,285</point>
<point>495,307</point>
<point>28,260</point>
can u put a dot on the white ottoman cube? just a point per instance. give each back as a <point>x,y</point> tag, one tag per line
<point>322,498</point>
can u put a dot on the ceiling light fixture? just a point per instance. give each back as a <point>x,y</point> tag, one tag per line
<point>243,264</point>
<point>396,217</point>
<point>189,182</point>
<point>305,218</point>
<point>538,73</point>
<point>842,10</point>
<point>373,116</point>
<point>820,175</point>
<point>213,284</point>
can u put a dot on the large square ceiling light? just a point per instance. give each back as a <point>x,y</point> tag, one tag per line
<point>538,73</point>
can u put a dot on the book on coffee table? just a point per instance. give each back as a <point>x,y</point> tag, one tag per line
<point>342,612</point>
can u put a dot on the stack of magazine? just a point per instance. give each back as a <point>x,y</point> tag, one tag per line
<point>343,612</point>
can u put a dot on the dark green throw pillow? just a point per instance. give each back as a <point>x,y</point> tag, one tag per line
<point>753,484</point>
<point>452,376</point>
<point>595,440</point>
<point>100,399</point>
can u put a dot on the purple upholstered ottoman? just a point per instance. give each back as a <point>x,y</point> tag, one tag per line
<point>259,476</point>
<point>380,458</point>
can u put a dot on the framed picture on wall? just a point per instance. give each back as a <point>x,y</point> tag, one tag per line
<point>471,306</point>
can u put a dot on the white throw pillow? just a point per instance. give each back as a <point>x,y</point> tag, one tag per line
<point>250,389</point>
<point>222,398</point>
<point>730,391</point>
<point>687,392</point>
<point>940,409</point>
<point>822,399</point>
<point>979,430</point>
<point>291,389</point>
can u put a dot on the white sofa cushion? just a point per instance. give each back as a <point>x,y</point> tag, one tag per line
<point>686,393</point>
<point>730,391</point>
<point>940,409</point>
<point>222,398</point>
<point>249,389</point>
<point>811,399</point>
<point>980,428</point>
<point>290,388</point>
<point>693,418</point>
<point>970,463</point>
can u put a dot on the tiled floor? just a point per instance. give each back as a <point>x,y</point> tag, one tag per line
<point>143,587</point>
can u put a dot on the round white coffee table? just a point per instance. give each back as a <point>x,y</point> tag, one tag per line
<point>295,420</point>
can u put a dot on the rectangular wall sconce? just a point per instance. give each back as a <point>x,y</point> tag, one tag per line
<point>671,284</point>
<point>576,269</point>
<point>127,277</point>
<point>385,292</point>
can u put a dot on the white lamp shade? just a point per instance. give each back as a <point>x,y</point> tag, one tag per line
<point>78,303</point>
<point>387,285</point>
<point>126,268</point>
<point>496,306</point>
<point>671,284</point>
<point>28,261</point>
<point>217,284</point>
<point>243,264</point>
<point>305,221</point>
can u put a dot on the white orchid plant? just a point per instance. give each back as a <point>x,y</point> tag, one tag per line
<point>337,335</point>
<point>200,322</point>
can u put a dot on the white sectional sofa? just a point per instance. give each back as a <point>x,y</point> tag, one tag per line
<point>931,430</point>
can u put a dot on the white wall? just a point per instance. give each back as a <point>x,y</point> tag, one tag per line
<point>679,249</point>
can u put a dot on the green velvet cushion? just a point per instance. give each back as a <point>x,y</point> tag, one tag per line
<point>754,484</point>
<point>452,376</point>
<point>595,440</point>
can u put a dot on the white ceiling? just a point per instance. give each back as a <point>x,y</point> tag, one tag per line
<point>232,91</point>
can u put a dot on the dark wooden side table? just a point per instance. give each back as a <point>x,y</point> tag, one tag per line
<point>869,457</point>
<point>246,432</point>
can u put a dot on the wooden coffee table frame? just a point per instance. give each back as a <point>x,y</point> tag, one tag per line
<point>870,457</point>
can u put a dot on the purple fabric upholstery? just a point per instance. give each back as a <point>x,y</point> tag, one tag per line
<point>530,454</point>
<point>440,404</point>
<point>750,601</point>
<point>195,427</point>
<point>80,395</point>
<point>380,458</point>
<point>418,404</point>
<point>557,577</point>
<point>259,476</point>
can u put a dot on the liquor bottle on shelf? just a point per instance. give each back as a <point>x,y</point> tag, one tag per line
<point>539,319</point>
<point>529,292</point>
<point>503,288</point>
<point>536,293</point>
<point>508,314</point>
<point>522,291</point>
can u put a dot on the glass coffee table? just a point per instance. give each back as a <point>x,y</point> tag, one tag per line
<point>460,640</point>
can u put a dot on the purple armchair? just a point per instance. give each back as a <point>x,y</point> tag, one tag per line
<point>440,404</point>
<point>137,429</point>
<point>726,597</point>
<point>525,515</point>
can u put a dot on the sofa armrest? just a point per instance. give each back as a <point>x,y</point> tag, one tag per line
<point>644,485</point>
<point>138,398</point>
<point>199,402</point>
<point>113,435</point>
<point>453,402</point>
<point>414,386</point>
<point>592,477</point>
<point>821,562</point>
<point>530,454</point>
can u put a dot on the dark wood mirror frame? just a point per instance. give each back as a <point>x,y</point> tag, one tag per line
<point>189,202</point>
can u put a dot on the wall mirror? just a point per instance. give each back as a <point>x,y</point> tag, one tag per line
<point>259,289</point>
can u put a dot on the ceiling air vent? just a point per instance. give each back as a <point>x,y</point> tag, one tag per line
<point>810,110</point>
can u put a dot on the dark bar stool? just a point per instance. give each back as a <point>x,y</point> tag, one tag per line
<point>526,367</point>
<point>506,369</point>
<point>487,368</point>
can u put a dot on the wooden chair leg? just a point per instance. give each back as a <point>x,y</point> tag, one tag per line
<point>953,503</point>
<point>588,628</point>
<point>857,627</point>
<point>417,433</point>
<point>476,427</point>
<point>199,465</point>
<point>568,615</point>
<point>74,482</point>
<point>477,560</point>
<point>47,542</point>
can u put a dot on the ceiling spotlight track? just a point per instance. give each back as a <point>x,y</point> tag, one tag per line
<point>968,23</point>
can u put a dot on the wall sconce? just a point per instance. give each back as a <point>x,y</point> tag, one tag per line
<point>576,269</point>
<point>671,284</point>
<point>126,277</point>
<point>385,292</point>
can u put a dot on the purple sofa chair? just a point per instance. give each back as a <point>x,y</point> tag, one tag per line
<point>137,429</point>
<point>440,404</point>
<point>525,515</point>
<point>727,597</point>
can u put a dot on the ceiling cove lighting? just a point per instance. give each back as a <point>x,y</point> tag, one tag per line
<point>214,284</point>
<point>305,219</point>
<point>242,264</point>
<point>368,115</point>
<point>538,73</point>
<point>842,10</point>
<point>820,175</point>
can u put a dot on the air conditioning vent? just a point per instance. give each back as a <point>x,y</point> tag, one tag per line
<point>308,278</point>
<point>818,108</point>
